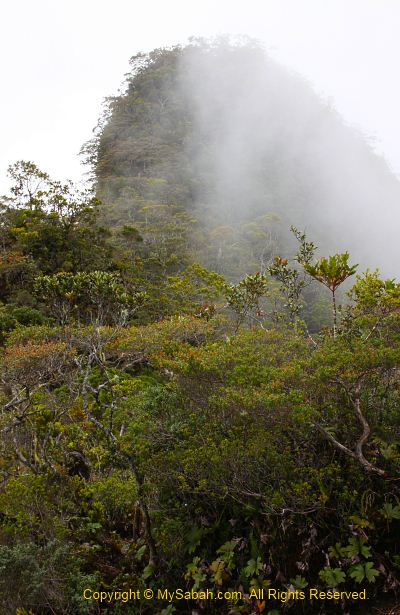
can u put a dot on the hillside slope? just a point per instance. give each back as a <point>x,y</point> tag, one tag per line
<point>247,148</point>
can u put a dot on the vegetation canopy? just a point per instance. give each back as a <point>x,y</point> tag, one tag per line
<point>188,402</point>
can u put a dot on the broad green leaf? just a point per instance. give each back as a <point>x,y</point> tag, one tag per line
<point>332,576</point>
<point>357,546</point>
<point>253,567</point>
<point>360,572</point>
<point>299,582</point>
<point>389,511</point>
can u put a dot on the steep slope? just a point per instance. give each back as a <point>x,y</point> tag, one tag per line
<point>247,148</point>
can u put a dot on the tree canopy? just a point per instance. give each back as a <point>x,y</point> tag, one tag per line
<point>189,402</point>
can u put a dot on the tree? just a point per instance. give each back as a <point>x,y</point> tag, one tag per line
<point>244,298</point>
<point>52,226</point>
<point>96,297</point>
<point>332,272</point>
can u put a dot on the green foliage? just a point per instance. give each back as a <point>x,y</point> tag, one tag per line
<point>197,414</point>
<point>331,271</point>
<point>11,316</point>
<point>52,224</point>
<point>332,576</point>
<point>390,512</point>
<point>366,571</point>
<point>96,296</point>
<point>195,290</point>
<point>244,297</point>
<point>299,582</point>
<point>357,546</point>
<point>253,567</point>
<point>183,450</point>
<point>194,572</point>
<point>26,570</point>
<point>292,282</point>
<point>48,228</point>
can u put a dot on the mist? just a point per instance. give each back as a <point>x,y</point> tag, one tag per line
<point>262,142</point>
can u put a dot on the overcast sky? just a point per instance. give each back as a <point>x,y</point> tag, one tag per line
<point>60,58</point>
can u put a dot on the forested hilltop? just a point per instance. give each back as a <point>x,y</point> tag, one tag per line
<point>242,149</point>
<point>194,395</point>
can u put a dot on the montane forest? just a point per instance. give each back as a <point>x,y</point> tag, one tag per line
<point>200,355</point>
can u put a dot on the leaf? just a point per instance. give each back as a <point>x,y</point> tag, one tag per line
<point>337,551</point>
<point>253,567</point>
<point>365,550</point>
<point>331,271</point>
<point>140,552</point>
<point>357,546</point>
<point>93,527</point>
<point>389,451</point>
<point>389,511</point>
<point>370,572</point>
<point>358,522</point>
<point>147,572</point>
<point>259,583</point>
<point>357,573</point>
<point>299,582</point>
<point>227,547</point>
<point>227,553</point>
<point>332,576</point>
<point>218,568</point>
<point>194,572</point>
<point>192,568</point>
<point>364,571</point>
<point>194,539</point>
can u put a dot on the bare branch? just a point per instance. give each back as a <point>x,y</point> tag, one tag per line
<point>364,437</point>
<point>23,459</point>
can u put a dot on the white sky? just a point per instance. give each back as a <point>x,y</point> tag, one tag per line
<point>60,58</point>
